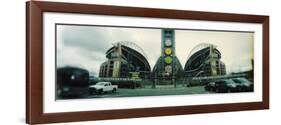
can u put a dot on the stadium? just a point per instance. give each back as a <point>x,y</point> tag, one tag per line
<point>123,59</point>
<point>203,61</point>
<point>127,64</point>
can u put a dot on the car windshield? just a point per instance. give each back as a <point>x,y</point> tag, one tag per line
<point>240,80</point>
<point>228,81</point>
<point>101,83</point>
<point>237,81</point>
<point>211,83</point>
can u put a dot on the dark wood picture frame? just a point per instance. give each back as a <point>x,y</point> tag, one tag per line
<point>34,61</point>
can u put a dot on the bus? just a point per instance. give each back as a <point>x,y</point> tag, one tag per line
<point>72,82</point>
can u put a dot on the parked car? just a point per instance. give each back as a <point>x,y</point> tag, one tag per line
<point>102,87</point>
<point>225,86</point>
<point>244,85</point>
<point>210,86</point>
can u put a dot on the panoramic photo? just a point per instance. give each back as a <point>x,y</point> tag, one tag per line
<point>110,61</point>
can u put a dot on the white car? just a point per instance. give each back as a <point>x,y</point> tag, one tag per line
<point>102,87</point>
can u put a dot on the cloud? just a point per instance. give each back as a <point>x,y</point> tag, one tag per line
<point>85,46</point>
<point>88,38</point>
<point>236,47</point>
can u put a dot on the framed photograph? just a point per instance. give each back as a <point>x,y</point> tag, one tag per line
<point>95,62</point>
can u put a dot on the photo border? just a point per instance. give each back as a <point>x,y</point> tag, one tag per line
<point>34,61</point>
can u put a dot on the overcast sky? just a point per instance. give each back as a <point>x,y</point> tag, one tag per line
<point>85,46</point>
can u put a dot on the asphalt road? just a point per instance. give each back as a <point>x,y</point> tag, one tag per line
<point>148,91</point>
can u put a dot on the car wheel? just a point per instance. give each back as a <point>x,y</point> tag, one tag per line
<point>100,91</point>
<point>228,91</point>
<point>91,92</point>
<point>114,90</point>
<point>240,89</point>
<point>217,90</point>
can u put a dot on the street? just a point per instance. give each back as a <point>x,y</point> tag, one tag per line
<point>148,91</point>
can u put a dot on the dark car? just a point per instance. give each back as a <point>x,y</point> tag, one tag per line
<point>72,82</point>
<point>244,85</point>
<point>225,86</point>
<point>210,86</point>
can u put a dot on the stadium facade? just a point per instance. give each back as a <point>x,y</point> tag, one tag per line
<point>204,60</point>
<point>125,58</point>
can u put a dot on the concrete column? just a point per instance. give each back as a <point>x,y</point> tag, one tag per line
<point>212,61</point>
<point>117,62</point>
